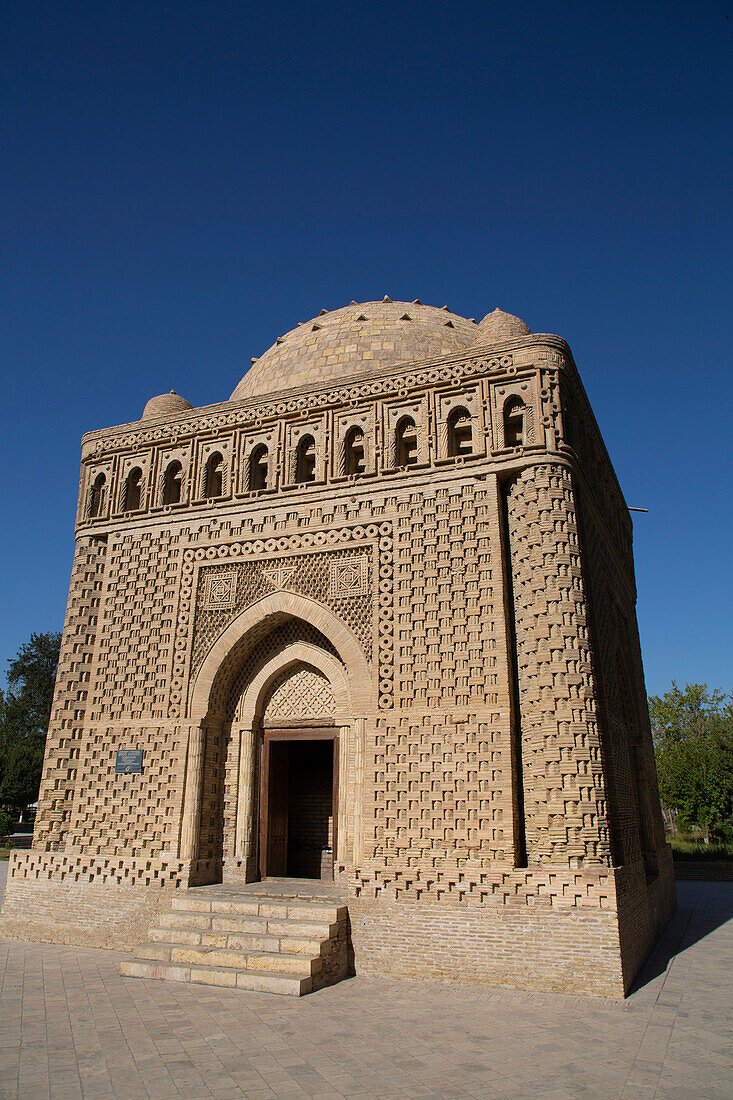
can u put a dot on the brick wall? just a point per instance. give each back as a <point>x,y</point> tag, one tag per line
<point>687,870</point>
<point>52,903</point>
<point>572,951</point>
<point>68,714</point>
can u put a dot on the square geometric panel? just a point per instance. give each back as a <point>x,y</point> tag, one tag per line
<point>220,591</point>
<point>349,577</point>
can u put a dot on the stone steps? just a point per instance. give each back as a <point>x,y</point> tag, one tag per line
<point>267,943</point>
<point>206,922</point>
<point>234,939</point>
<point>293,985</point>
<point>236,960</point>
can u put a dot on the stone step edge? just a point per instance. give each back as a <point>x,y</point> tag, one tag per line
<point>312,945</point>
<point>255,895</point>
<point>272,925</point>
<point>272,907</point>
<point>145,952</point>
<point>293,985</point>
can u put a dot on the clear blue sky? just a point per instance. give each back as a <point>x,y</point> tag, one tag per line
<point>183,181</point>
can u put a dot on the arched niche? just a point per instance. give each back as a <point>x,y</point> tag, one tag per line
<point>224,656</point>
<point>253,703</point>
<point>227,738</point>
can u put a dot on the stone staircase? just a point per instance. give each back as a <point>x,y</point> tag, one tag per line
<point>270,942</point>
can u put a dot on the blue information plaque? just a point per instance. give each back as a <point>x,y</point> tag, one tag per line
<point>129,761</point>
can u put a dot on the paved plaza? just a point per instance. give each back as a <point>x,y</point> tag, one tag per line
<point>72,1027</point>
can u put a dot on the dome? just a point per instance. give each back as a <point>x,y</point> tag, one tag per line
<point>353,339</point>
<point>165,404</point>
<point>499,326</point>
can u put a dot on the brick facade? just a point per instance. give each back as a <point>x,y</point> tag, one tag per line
<point>431,559</point>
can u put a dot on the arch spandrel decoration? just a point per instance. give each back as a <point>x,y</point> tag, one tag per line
<point>308,574</point>
<point>259,619</point>
<point>314,565</point>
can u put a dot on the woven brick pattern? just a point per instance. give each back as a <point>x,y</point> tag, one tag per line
<point>303,693</point>
<point>565,805</point>
<point>134,661</point>
<point>66,728</point>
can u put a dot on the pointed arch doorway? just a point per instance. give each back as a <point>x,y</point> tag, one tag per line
<point>298,794</point>
<point>274,678</point>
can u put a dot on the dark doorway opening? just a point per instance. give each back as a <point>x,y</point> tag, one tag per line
<point>298,825</point>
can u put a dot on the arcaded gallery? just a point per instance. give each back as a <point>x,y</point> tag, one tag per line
<point>350,678</point>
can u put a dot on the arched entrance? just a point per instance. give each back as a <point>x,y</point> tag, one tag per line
<point>298,788</point>
<point>275,749</point>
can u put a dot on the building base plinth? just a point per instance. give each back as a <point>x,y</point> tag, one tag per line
<point>66,908</point>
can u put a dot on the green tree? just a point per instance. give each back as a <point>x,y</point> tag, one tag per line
<point>25,710</point>
<point>692,728</point>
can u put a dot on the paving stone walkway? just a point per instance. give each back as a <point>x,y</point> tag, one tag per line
<point>70,1026</point>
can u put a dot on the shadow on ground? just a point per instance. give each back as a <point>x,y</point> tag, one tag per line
<point>691,923</point>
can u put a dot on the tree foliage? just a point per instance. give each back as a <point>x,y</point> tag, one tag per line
<point>692,729</point>
<point>25,710</point>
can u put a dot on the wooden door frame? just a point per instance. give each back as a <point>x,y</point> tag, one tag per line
<point>301,732</point>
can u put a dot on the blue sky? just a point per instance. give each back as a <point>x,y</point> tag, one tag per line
<point>182,182</point>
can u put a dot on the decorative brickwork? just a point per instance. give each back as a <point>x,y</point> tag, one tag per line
<point>303,693</point>
<point>447,614</point>
<point>133,677</point>
<point>402,540</point>
<point>279,639</point>
<point>66,729</point>
<point>309,573</point>
<point>565,806</point>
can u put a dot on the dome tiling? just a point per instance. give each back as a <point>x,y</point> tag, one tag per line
<point>367,336</point>
<point>359,337</point>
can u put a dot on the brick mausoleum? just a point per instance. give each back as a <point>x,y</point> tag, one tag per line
<point>369,623</point>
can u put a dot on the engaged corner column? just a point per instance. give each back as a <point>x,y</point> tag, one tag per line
<point>357,794</point>
<point>191,822</point>
<point>244,840</point>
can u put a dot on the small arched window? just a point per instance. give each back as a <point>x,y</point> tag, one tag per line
<point>406,442</point>
<point>460,437</point>
<point>173,483</point>
<point>514,426</point>
<point>305,460</point>
<point>133,489</point>
<point>354,460</point>
<point>258,468</point>
<point>214,476</point>
<point>96,496</point>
